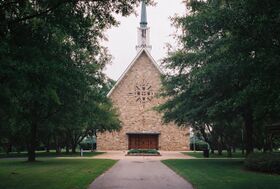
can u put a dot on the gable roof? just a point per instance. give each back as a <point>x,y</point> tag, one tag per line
<point>131,65</point>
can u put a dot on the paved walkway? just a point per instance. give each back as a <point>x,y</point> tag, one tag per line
<point>118,155</point>
<point>140,174</point>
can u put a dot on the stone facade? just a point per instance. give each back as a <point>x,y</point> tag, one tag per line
<point>134,96</point>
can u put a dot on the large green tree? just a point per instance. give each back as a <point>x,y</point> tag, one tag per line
<point>227,65</point>
<point>51,65</point>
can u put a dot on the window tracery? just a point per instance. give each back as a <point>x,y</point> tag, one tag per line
<point>143,92</point>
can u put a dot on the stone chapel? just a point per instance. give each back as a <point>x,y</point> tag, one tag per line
<point>134,96</point>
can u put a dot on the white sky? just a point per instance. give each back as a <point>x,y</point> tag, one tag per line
<point>123,39</point>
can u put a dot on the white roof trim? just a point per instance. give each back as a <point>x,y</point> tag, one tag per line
<point>130,66</point>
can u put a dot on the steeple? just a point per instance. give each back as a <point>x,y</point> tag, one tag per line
<point>143,30</point>
<point>143,23</point>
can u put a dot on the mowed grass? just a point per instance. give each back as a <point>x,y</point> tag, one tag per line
<point>199,154</point>
<point>49,154</point>
<point>221,174</point>
<point>51,173</point>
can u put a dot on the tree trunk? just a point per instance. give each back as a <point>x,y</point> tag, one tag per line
<point>9,148</point>
<point>73,148</point>
<point>57,149</point>
<point>265,147</point>
<point>57,146</point>
<point>220,150</point>
<point>32,143</point>
<point>67,144</point>
<point>243,147</point>
<point>67,149</point>
<point>242,142</point>
<point>229,152</point>
<point>270,143</point>
<point>220,146</point>
<point>18,150</point>
<point>233,149</point>
<point>48,145</point>
<point>248,118</point>
<point>206,139</point>
<point>211,146</point>
<point>242,151</point>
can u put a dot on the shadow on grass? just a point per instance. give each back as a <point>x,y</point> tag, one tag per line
<point>41,162</point>
<point>50,154</point>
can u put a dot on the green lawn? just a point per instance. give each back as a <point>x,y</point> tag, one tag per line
<point>51,173</point>
<point>199,154</point>
<point>49,154</point>
<point>221,174</point>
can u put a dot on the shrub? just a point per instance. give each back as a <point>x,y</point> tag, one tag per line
<point>143,151</point>
<point>265,162</point>
<point>199,146</point>
<point>88,146</point>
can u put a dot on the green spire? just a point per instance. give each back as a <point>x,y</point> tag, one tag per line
<point>143,23</point>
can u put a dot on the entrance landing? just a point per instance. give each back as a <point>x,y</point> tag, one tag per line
<point>136,174</point>
<point>119,155</point>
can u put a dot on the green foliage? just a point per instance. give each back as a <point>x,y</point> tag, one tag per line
<point>87,146</point>
<point>89,143</point>
<point>265,162</point>
<point>51,79</point>
<point>226,69</point>
<point>200,145</point>
<point>143,151</point>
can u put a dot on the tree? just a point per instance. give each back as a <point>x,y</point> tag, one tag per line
<point>226,66</point>
<point>52,61</point>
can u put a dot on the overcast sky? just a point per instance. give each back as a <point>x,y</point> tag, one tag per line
<point>123,39</point>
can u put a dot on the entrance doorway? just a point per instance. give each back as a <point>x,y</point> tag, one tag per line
<point>143,141</point>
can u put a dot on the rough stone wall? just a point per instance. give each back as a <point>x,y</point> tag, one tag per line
<point>138,116</point>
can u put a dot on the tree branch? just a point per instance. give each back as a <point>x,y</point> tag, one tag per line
<point>47,10</point>
<point>39,13</point>
<point>5,4</point>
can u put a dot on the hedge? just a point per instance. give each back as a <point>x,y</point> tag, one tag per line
<point>265,162</point>
<point>199,146</point>
<point>143,151</point>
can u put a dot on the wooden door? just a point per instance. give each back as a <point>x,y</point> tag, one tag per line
<point>143,141</point>
<point>153,142</point>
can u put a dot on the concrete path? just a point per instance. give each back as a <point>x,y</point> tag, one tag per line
<point>135,174</point>
<point>117,155</point>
